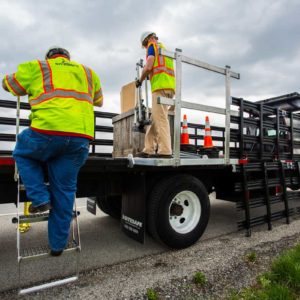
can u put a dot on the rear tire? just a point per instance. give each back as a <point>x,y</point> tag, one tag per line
<point>111,205</point>
<point>178,211</point>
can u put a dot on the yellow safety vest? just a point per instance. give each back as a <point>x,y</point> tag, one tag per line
<point>162,76</point>
<point>61,95</point>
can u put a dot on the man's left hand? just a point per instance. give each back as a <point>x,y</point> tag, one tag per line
<point>138,83</point>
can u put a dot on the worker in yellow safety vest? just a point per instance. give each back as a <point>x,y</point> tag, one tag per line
<point>61,95</point>
<point>162,78</point>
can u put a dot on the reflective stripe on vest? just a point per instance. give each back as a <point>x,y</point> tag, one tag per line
<point>163,75</point>
<point>161,59</point>
<point>15,85</point>
<point>89,77</point>
<point>61,93</point>
<point>98,94</point>
<point>161,64</point>
<point>159,69</point>
<point>47,76</point>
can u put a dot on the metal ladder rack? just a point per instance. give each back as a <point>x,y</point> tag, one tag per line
<point>266,197</point>
<point>42,250</point>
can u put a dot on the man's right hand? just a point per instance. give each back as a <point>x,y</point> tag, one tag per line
<point>138,83</point>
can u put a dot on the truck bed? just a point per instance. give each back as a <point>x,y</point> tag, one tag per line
<point>263,163</point>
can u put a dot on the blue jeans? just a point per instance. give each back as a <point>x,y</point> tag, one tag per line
<point>63,156</point>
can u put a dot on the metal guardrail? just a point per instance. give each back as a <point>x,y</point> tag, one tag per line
<point>178,103</point>
<point>242,144</point>
<point>253,138</point>
<point>218,132</point>
<point>10,121</point>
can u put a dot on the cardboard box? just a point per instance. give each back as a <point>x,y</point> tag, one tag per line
<point>126,140</point>
<point>128,96</point>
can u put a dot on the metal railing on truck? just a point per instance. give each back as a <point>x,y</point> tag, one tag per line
<point>264,133</point>
<point>280,138</point>
<point>197,135</point>
<point>178,104</point>
<point>11,121</point>
<point>269,138</point>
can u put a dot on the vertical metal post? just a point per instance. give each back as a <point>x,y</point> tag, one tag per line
<point>242,154</point>
<point>292,134</point>
<point>146,97</point>
<point>246,202</point>
<point>138,65</point>
<point>267,194</point>
<point>17,179</point>
<point>278,133</point>
<point>284,192</point>
<point>261,132</point>
<point>227,115</point>
<point>16,175</point>
<point>93,145</point>
<point>78,237</point>
<point>177,117</point>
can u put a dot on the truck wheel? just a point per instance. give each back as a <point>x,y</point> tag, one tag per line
<point>178,211</point>
<point>111,205</point>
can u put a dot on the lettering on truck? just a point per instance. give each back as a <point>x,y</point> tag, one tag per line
<point>132,222</point>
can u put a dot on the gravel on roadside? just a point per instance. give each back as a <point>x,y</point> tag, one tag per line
<point>222,260</point>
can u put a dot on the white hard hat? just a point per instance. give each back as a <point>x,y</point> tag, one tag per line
<point>145,34</point>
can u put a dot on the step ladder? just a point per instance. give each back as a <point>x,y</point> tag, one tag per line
<point>41,251</point>
<point>24,254</point>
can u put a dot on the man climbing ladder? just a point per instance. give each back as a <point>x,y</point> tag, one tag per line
<point>61,95</point>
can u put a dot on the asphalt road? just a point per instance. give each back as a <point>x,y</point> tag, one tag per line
<point>103,244</point>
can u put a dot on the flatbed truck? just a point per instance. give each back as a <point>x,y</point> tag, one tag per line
<point>256,165</point>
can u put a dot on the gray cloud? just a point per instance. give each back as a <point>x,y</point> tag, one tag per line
<point>259,39</point>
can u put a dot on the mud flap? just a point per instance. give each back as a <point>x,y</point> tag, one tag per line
<point>133,220</point>
<point>91,205</point>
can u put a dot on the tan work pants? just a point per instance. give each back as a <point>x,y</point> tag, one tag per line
<point>158,133</point>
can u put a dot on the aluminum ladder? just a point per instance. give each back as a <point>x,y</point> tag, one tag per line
<point>41,251</point>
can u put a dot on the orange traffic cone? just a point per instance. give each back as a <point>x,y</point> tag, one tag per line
<point>184,138</point>
<point>208,143</point>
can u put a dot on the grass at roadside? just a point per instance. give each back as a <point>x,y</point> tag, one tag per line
<point>152,294</point>
<point>281,283</point>
<point>199,279</point>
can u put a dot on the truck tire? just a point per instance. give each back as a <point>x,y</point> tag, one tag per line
<point>178,211</point>
<point>111,205</point>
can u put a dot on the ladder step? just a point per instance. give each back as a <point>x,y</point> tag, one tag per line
<point>31,218</point>
<point>35,218</point>
<point>40,251</point>
<point>47,285</point>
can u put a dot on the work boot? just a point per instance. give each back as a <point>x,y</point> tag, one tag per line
<point>56,253</point>
<point>142,155</point>
<point>161,156</point>
<point>39,209</point>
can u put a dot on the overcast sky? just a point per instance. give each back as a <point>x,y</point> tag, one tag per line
<point>260,39</point>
